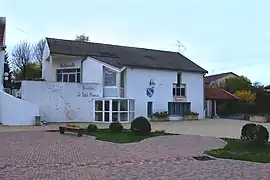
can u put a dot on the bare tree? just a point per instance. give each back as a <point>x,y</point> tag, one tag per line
<point>82,37</point>
<point>38,49</point>
<point>21,56</point>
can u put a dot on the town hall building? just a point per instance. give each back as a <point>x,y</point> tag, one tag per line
<point>85,81</point>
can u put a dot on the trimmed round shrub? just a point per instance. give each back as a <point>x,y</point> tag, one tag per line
<point>116,127</point>
<point>140,126</point>
<point>91,128</point>
<point>256,134</point>
<point>248,131</point>
<point>262,134</point>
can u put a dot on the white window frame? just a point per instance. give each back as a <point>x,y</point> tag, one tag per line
<point>130,112</point>
<point>179,87</point>
<point>104,76</point>
<point>78,71</point>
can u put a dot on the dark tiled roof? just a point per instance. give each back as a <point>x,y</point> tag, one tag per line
<point>120,56</point>
<point>216,93</point>
<point>267,87</point>
<point>209,79</point>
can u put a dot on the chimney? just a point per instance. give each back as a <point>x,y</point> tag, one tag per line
<point>2,32</point>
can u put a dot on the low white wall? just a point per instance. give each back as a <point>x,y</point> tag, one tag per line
<point>62,102</point>
<point>14,111</point>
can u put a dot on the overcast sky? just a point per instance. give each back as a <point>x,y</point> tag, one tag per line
<point>219,35</point>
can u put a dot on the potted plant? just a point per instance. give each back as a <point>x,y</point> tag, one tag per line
<point>160,116</point>
<point>191,116</point>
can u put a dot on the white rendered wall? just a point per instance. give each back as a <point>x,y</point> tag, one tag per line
<point>138,82</point>
<point>62,102</point>
<point>15,111</point>
<point>92,71</point>
<point>195,91</point>
<point>55,62</point>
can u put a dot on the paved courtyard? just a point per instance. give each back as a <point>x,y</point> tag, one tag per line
<point>208,127</point>
<point>49,155</point>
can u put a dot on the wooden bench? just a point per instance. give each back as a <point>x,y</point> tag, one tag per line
<point>71,128</point>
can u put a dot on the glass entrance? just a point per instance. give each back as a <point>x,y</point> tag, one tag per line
<point>110,110</point>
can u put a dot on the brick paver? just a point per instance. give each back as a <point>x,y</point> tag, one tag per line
<point>49,155</point>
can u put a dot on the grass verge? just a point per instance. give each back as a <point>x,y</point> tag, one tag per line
<point>126,136</point>
<point>241,150</point>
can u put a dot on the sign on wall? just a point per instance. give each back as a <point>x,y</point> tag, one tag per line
<point>64,65</point>
<point>150,91</point>
<point>180,99</point>
<point>88,90</point>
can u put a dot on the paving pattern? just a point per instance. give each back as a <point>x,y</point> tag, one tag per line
<point>49,155</point>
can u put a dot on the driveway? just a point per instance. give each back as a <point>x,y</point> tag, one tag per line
<point>208,127</point>
<point>50,155</point>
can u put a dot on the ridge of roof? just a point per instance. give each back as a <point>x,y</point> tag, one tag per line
<point>211,78</point>
<point>115,45</point>
<point>221,74</point>
<point>119,56</point>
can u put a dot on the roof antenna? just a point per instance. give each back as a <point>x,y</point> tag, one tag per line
<point>180,45</point>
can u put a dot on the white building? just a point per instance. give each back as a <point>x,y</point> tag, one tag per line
<point>109,82</point>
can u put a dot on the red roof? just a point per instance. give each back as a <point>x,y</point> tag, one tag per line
<point>216,93</point>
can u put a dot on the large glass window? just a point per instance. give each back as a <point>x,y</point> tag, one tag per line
<point>109,77</point>
<point>114,110</point>
<point>122,79</point>
<point>178,108</point>
<point>98,110</point>
<point>68,75</point>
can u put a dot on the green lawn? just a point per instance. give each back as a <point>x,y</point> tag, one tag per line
<point>241,150</point>
<point>122,137</point>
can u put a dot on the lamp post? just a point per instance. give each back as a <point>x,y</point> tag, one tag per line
<point>9,79</point>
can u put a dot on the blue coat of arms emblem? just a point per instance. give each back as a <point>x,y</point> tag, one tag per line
<point>150,92</point>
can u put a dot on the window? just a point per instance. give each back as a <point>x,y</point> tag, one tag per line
<point>149,109</point>
<point>114,110</point>
<point>178,108</point>
<point>179,90</point>
<point>122,84</point>
<point>179,78</point>
<point>98,110</point>
<point>183,90</point>
<point>68,75</point>
<point>109,77</point>
<point>122,79</point>
<point>106,111</point>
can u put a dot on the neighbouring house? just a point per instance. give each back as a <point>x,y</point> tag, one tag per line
<point>213,96</point>
<point>217,80</point>
<point>267,88</point>
<point>87,81</point>
<point>13,111</point>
